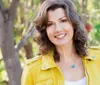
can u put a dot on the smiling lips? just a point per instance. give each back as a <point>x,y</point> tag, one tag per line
<point>59,36</point>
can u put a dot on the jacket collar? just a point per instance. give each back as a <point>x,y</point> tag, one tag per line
<point>48,60</point>
<point>91,55</point>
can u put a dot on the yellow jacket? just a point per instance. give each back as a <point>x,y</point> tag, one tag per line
<point>42,70</point>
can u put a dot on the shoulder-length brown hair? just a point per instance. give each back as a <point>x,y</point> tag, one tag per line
<point>80,36</point>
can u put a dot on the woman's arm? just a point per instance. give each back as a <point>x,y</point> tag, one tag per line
<point>27,78</point>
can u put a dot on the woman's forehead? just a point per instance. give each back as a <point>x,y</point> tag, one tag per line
<point>56,14</point>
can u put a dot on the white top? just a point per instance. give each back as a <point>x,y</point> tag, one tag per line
<point>79,82</point>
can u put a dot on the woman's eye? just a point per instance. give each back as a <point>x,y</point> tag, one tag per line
<point>49,24</point>
<point>64,20</point>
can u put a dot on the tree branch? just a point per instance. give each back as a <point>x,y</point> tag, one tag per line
<point>25,37</point>
<point>10,57</point>
<point>13,10</point>
<point>1,20</point>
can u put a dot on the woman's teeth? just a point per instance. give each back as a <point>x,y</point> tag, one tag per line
<point>60,36</point>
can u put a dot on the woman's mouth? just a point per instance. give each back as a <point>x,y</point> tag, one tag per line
<point>61,36</point>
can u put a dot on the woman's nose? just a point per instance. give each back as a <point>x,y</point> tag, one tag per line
<point>58,27</point>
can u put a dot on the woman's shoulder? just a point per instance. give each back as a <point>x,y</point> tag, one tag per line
<point>35,61</point>
<point>30,70</point>
<point>94,52</point>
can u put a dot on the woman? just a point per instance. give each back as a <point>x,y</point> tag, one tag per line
<point>64,58</point>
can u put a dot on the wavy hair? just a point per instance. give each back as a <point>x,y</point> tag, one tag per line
<point>80,35</point>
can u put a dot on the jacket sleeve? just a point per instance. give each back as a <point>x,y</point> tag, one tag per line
<point>26,78</point>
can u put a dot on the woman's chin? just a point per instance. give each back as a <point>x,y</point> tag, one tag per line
<point>61,43</point>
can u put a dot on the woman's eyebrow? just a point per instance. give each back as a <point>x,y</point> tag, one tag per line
<point>59,18</point>
<point>62,17</point>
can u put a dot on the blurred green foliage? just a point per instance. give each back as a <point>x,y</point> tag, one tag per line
<point>3,73</point>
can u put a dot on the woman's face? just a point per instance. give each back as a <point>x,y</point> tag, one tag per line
<point>59,29</point>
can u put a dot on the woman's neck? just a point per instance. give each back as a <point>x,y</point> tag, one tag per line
<point>66,52</point>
